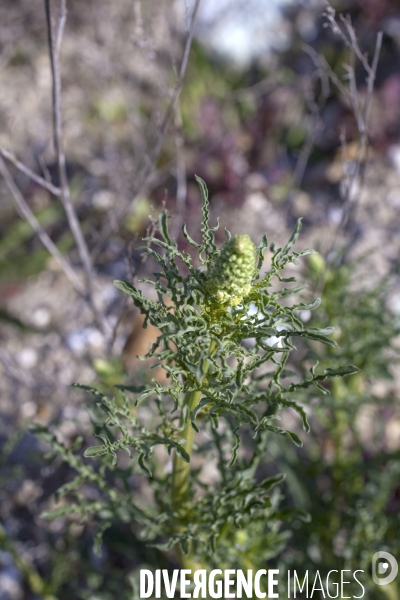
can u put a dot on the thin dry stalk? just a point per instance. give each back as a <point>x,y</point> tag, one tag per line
<point>321,63</point>
<point>361,111</point>
<point>54,44</point>
<point>24,169</point>
<point>181,179</point>
<point>28,215</point>
<point>361,114</point>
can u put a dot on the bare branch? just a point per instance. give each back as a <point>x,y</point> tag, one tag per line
<point>361,113</point>
<point>330,15</point>
<point>320,61</point>
<point>28,215</point>
<point>362,118</point>
<point>24,169</point>
<point>60,26</point>
<point>181,180</point>
<point>73,222</point>
<point>372,75</point>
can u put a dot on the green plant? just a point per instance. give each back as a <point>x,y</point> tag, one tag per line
<point>225,338</point>
<point>347,457</point>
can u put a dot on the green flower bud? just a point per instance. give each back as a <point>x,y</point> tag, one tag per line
<point>230,279</point>
<point>316,264</point>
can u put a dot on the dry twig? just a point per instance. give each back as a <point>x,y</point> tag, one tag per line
<point>28,215</point>
<point>181,179</point>
<point>54,44</point>
<point>361,111</point>
<point>24,169</point>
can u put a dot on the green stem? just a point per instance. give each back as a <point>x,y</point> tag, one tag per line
<point>181,475</point>
<point>181,469</point>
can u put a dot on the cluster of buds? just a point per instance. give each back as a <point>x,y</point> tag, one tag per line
<point>230,278</point>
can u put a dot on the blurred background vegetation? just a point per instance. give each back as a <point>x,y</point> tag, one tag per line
<point>264,118</point>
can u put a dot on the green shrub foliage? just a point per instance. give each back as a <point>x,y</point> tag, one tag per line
<point>225,339</point>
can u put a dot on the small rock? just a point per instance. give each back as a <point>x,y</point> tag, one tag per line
<point>103,200</point>
<point>335,215</point>
<point>82,339</point>
<point>41,316</point>
<point>28,410</point>
<point>27,358</point>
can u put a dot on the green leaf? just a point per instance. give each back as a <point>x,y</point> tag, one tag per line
<point>310,306</point>
<point>163,225</point>
<point>293,239</point>
<point>125,287</point>
<point>235,448</point>
<point>299,409</point>
<point>295,438</point>
<point>98,538</point>
<point>260,250</point>
<point>208,237</point>
<point>342,371</point>
<point>182,452</point>
<point>293,513</point>
<point>88,388</point>
<point>142,465</point>
<point>62,511</point>
<point>189,239</point>
<point>270,482</point>
<point>93,451</point>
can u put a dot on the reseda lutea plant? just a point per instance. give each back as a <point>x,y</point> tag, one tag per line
<point>224,342</point>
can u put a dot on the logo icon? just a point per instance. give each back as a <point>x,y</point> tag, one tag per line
<point>381,561</point>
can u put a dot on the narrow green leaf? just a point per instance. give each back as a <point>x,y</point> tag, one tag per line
<point>270,482</point>
<point>295,438</point>
<point>182,452</point>
<point>292,240</point>
<point>235,448</point>
<point>93,451</point>
<point>342,371</point>
<point>163,225</point>
<point>143,466</point>
<point>62,511</point>
<point>188,238</point>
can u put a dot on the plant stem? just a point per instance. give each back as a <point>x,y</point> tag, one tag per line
<point>181,469</point>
